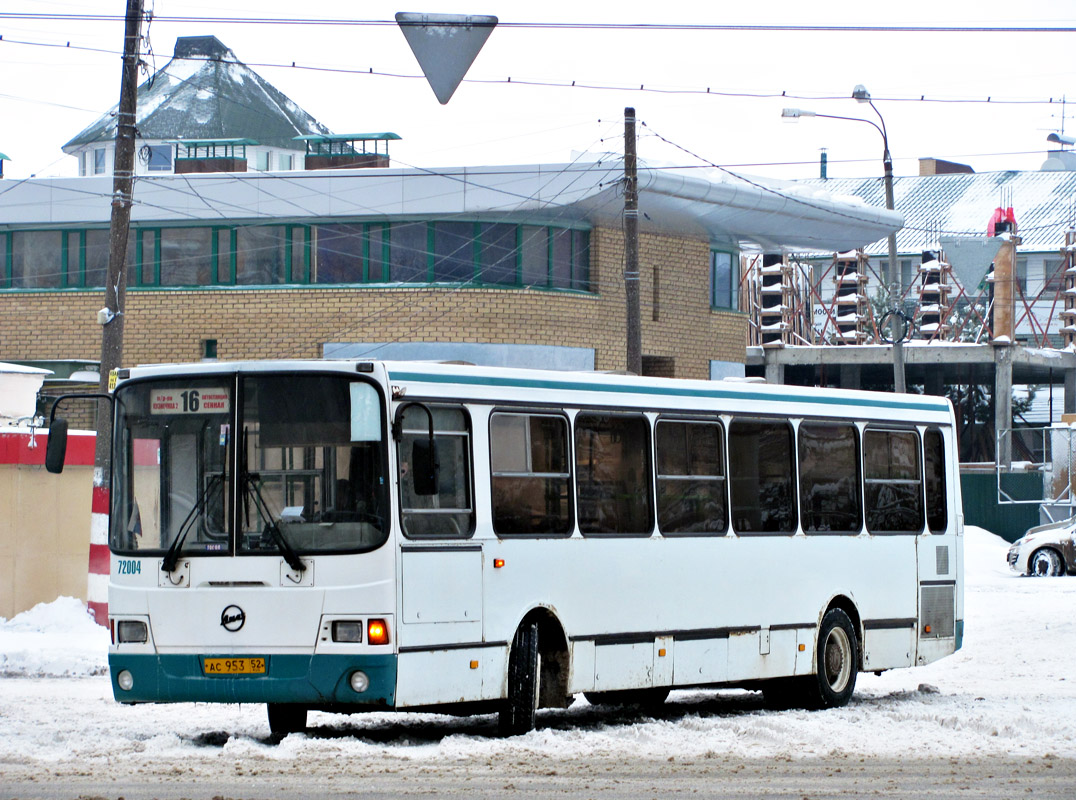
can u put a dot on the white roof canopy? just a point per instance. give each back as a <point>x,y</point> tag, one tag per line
<point>728,210</point>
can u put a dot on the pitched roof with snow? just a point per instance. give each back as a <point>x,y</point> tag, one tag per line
<point>205,92</point>
<point>961,205</point>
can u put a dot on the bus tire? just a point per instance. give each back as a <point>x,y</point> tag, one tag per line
<point>836,662</point>
<point>285,718</point>
<point>521,704</point>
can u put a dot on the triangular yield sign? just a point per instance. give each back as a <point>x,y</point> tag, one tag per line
<point>445,46</point>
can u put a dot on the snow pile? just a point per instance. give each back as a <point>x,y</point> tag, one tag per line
<point>57,639</point>
<point>1008,693</point>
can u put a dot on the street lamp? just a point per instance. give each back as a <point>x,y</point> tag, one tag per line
<point>889,274</point>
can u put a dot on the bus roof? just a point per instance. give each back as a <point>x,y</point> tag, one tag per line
<point>469,382</point>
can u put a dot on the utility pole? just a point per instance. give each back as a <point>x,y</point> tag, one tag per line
<point>111,316</point>
<point>631,246</point>
<point>895,301</point>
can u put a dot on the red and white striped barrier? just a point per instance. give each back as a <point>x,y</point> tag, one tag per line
<point>97,580</point>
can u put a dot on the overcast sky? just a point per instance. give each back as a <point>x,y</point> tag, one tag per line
<point>48,94</point>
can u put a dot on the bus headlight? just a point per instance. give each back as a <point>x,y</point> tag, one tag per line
<point>349,631</point>
<point>130,631</point>
<point>360,682</point>
<point>125,680</point>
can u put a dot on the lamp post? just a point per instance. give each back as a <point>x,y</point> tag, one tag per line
<point>889,272</point>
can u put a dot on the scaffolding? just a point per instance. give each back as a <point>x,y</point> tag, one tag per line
<point>783,297</point>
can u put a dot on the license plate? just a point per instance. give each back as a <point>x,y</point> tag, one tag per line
<point>234,666</point>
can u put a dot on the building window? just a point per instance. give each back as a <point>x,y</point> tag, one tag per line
<point>261,255</point>
<point>286,162</point>
<point>905,275</point>
<point>453,252</point>
<point>160,158</point>
<point>263,160</point>
<point>36,259</point>
<point>186,257</point>
<point>1053,277</point>
<point>1021,276</point>
<point>459,253</point>
<point>99,161</point>
<point>724,280</point>
<point>498,254</point>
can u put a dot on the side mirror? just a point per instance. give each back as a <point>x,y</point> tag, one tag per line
<point>425,467</point>
<point>56,449</point>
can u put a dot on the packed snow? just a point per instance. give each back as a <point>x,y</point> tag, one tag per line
<point>1006,693</point>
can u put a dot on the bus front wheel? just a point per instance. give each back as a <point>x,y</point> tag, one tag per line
<point>521,704</point>
<point>285,718</point>
<point>836,661</point>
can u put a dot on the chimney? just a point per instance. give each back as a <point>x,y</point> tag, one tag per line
<point>207,47</point>
<point>939,166</point>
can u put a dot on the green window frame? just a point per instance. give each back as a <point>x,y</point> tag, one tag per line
<point>485,253</point>
<point>5,260</point>
<point>724,280</point>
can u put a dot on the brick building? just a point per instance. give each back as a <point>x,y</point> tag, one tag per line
<point>496,265</point>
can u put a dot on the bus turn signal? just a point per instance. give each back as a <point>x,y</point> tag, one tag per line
<point>377,631</point>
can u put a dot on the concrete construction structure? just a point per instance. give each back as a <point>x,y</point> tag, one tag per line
<point>985,272</point>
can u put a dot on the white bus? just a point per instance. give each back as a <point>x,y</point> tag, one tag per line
<point>363,535</point>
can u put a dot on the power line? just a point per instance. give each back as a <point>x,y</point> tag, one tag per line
<point>585,26</point>
<point>583,84</point>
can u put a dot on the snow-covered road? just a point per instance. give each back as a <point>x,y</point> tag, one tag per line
<point>1009,694</point>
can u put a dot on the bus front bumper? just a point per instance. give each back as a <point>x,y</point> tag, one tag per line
<point>314,680</point>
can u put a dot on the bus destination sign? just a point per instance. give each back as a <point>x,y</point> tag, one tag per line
<point>189,401</point>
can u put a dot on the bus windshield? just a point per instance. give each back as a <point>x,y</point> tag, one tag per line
<point>298,457</point>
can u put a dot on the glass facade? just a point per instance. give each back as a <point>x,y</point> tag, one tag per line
<point>420,252</point>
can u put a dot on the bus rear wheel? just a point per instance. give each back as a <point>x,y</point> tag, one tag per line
<point>521,705</point>
<point>285,718</point>
<point>836,661</point>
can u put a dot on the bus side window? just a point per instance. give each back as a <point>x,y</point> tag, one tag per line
<point>893,481</point>
<point>934,467</point>
<point>829,478</point>
<point>612,466</point>
<point>448,513</point>
<point>761,470</point>
<point>530,484</point>
<point>691,477</point>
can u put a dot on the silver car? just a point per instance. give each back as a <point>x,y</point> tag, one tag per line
<point>1046,550</point>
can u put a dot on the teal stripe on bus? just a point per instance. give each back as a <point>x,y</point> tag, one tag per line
<point>923,404</point>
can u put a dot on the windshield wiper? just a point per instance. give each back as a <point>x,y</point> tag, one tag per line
<point>171,558</point>
<point>250,484</point>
